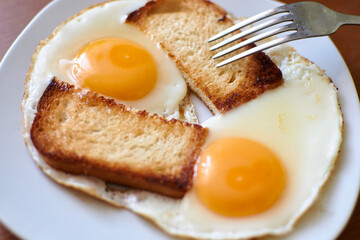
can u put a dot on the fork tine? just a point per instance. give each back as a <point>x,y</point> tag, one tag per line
<point>259,37</point>
<point>249,21</point>
<point>252,30</point>
<point>278,41</point>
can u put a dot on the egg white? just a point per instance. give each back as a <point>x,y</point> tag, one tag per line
<point>301,121</point>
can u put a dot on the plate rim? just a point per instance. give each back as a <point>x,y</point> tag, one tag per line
<point>50,4</point>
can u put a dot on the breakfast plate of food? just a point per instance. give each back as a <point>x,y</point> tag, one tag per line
<point>264,147</point>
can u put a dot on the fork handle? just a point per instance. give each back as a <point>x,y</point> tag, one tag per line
<point>347,19</point>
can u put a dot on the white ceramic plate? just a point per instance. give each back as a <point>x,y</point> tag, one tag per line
<point>34,207</point>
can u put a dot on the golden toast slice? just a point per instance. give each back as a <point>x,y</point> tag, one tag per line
<point>83,133</point>
<point>182,28</point>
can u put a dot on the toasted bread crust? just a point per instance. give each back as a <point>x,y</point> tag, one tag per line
<point>221,89</point>
<point>52,139</point>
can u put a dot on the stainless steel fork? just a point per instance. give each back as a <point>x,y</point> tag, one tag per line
<point>305,19</point>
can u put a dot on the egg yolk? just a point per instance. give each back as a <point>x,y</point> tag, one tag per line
<point>118,68</point>
<point>238,177</point>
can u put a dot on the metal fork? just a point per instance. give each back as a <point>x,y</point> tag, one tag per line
<point>307,19</point>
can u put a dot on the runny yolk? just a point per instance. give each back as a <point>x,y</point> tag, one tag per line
<point>115,67</point>
<point>238,177</point>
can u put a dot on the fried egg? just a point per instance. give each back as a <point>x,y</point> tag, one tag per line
<point>272,154</point>
<point>263,163</point>
<point>98,51</point>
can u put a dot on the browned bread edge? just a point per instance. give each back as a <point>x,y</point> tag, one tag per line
<point>264,74</point>
<point>173,186</point>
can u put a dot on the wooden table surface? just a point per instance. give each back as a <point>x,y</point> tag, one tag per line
<point>15,14</point>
